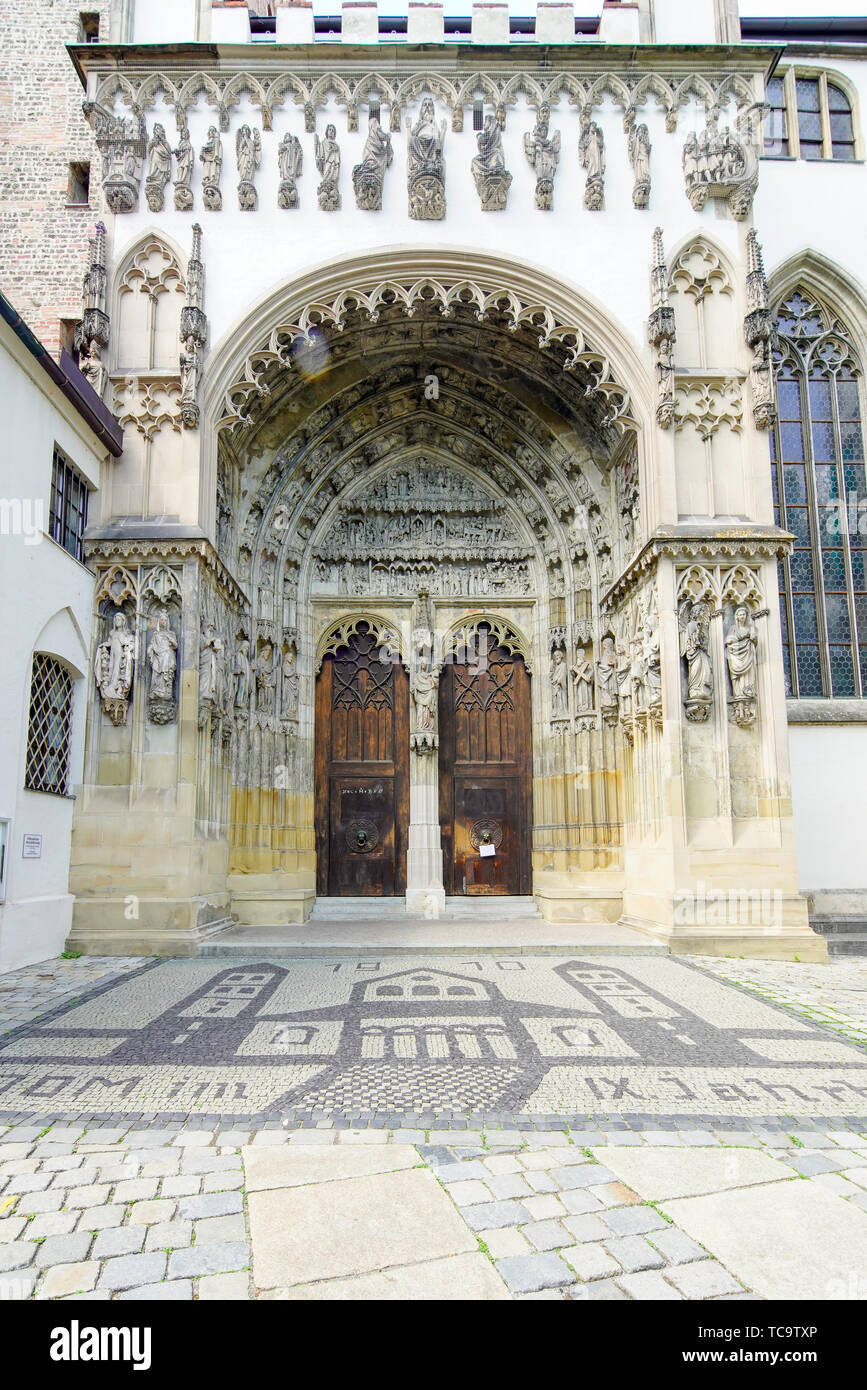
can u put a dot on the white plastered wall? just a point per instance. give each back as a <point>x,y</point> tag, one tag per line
<point>47,608</point>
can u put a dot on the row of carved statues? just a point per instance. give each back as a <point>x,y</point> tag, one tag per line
<point>253,681</point>
<point>617,684</point>
<point>709,159</point>
<point>629,680</point>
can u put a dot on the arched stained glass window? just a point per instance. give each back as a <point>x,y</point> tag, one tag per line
<point>820,496</point>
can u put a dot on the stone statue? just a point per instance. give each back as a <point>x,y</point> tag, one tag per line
<point>606,673</point>
<point>368,176</point>
<point>716,164</point>
<point>591,156</point>
<point>183,172</point>
<point>694,624</point>
<point>327,155</point>
<point>211,156</point>
<point>741,656</point>
<point>289,687</point>
<point>652,665</point>
<point>159,169</point>
<point>424,685</point>
<point>489,168</point>
<point>582,672</point>
<point>248,156</point>
<point>289,160</point>
<point>113,667</point>
<point>266,680</point>
<point>241,675</point>
<point>639,158</point>
<point>543,153</point>
<point>426,169</point>
<point>162,664</point>
<point>211,657</point>
<point>558,677</point>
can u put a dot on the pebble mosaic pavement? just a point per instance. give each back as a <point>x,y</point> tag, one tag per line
<point>135,1204</point>
<point>456,1042</point>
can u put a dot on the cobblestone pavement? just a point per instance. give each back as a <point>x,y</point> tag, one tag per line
<point>834,995</point>
<point>28,993</point>
<point>180,1212</point>
<point>449,1041</point>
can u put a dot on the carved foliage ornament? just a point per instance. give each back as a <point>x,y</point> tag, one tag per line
<point>411,296</point>
<point>316,88</point>
<point>708,404</point>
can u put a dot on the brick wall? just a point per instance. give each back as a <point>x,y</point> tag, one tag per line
<point>43,243</point>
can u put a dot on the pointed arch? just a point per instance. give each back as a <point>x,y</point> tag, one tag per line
<point>830,282</point>
<point>148,293</point>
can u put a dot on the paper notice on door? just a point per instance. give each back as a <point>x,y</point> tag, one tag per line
<point>487,851</point>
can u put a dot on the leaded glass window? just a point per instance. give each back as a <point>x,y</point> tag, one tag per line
<point>47,766</point>
<point>820,496</point>
<point>809,116</point>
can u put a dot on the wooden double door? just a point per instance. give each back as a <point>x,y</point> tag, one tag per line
<point>485,775</point>
<point>362,773</point>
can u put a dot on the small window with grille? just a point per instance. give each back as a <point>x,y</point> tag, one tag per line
<point>68,510</point>
<point>48,734</point>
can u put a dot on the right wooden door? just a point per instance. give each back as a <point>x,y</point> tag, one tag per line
<point>485,775</point>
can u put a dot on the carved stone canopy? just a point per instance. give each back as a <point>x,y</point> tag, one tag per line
<point>495,303</point>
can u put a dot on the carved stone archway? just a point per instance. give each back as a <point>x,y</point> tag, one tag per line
<point>401,452</point>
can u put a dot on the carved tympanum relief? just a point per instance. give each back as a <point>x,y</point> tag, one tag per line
<point>423,525</point>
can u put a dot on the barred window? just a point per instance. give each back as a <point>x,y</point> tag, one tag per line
<point>68,511</point>
<point>809,116</point>
<point>820,496</point>
<point>48,734</point>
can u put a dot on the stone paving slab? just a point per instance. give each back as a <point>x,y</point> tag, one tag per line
<point>656,1174</point>
<point>784,1240</point>
<point>357,1226</point>
<point>295,1167</point>
<point>468,1277</point>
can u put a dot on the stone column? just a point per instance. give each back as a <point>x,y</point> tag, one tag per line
<point>425,894</point>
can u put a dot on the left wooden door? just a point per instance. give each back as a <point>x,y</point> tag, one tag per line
<point>362,771</point>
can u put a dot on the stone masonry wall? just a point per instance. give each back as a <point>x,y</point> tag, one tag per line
<point>43,242</point>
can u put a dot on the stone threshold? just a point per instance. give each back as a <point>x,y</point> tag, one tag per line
<point>444,936</point>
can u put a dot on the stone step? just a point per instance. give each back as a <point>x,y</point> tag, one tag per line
<point>443,936</point>
<point>840,926</point>
<point>847,945</point>
<point>357,909</point>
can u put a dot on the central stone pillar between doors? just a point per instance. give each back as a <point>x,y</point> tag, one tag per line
<point>425,894</point>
